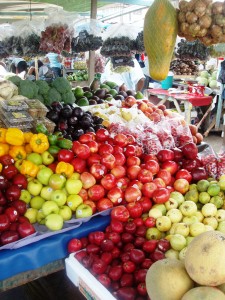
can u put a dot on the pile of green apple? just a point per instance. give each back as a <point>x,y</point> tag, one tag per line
<point>52,198</point>
<point>185,216</point>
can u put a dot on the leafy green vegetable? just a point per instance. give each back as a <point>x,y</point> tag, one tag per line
<point>28,89</point>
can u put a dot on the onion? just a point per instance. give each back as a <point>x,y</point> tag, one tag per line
<point>191,17</point>
<point>200,8</point>
<point>183,5</point>
<point>217,8</point>
<point>184,27</point>
<point>181,16</point>
<point>216,31</point>
<point>194,29</point>
<point>205,21</point>
<point>202,32</point>
<point>219,20</point>
<point>206,40</point>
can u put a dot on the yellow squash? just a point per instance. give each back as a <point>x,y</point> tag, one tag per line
<point>160,32</point>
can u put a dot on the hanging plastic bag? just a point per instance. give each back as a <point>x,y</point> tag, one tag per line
<point>6,31</point>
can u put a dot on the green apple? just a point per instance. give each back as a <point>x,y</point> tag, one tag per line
<point>37,202</point>
<point>178,242</point>
<point>34,187</point>
<point>209,210</point>
<point>160,207</point>
<point>46,192</point>
<point>75,175</point>
<point>73,186</point>
<point>54,222</point>
<point>220,215</point>
<point>199,215</point>
<point>217,200</point>
<point>190,220</point>
<point>57,181</point>
<point>211,221</point>
<point>182,228</point>
<point>172,229</point>
<point>155,213</point>
<point>222,184</point>
<point>171,203</point>
<point>47,158</point>
<point>153,234</point>
<point>189,239</point>
<point>204,197</point>
<point>188,208</point>
<point>221,226</point>
<point>177,196</point>
<point>182,253</point>
<point>73,201</point>
<point>31,214</point>
<point>40,217</point>
<point>197,228</point>
<point>41,167</point>
<point>208,228</point>
<point>44,174</point>
<point>171,253</point>
<point>66,212</point>
<point>50,207</point>
<point>35,158</point>
<point>83,211</point>
<point>59,197</point>
<point>175,215</point>
<point>163,223</point>
<point>25,196</point>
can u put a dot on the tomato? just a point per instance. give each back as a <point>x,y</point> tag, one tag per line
<point>141,288</point>
<point>98,237</point>
<point>127,280</point>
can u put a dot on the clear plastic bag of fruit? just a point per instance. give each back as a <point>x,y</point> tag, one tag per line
<point>59,31</point>
<point>164,133</point>
<point>210,160</point>
<point>6,32</point>
<point>180,131</point>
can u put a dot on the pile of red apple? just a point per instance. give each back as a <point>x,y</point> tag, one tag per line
<point>120,256</point>
<point>13,224</point>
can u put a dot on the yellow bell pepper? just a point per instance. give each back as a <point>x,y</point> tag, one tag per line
<point>39,143</point>
<point>29,168</point>
<point>14,136</point>
<point>0,167</point>
<point>4,149</point>
<point>17,152</point>
<point>64,169</point>
<point>28,149</point>
<point>2,134</point>
<point>18,164</point>
<point>27,136</point>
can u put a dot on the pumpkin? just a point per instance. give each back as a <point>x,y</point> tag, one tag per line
<point>205,258</point>
<point>160,32</point>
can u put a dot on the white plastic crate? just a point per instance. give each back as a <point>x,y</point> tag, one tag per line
<point>88,285</point>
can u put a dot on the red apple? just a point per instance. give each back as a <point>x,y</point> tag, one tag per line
<point>130,139</point>
<point>20,180</point>
<point>148,189</point>
<point>135,209</point>
<point>132,172</point>
<point>13,193</point>
<point>118,171</point>
<point>146,204</point>
<point>165,154</point>
<point>133,161</point>
<point>92,205</point>
<point>102,135</point>
<point>105,149</point>
<point>150,222</point>
<point>120,159</point>
<point>120,139</point>
<point>104,204</point>
<point>130,150</point>
<point>93,146</point>
<point>108,181</point>
<point>178,154</point>
<point>87,179</point>
<point>184,174</point>
<point>181,185</point>
<point>190,150</point>
<point>159,182</point>
<point>84,194</point>
<point>86,137</point>
<point>98,170</point>
<point>4,222</point>
<point>164,175</point>
<point>25,229</point>
<point>120,213</point>
<point>130,101</point>
<point>132,194</point>
<point>122,183</point>
<point>94,158</point>
<point>136,183</point>
<point>78,164</point>
<point>74,245</point>
<point>20,206</point>
<point>96,192</point>
<point>81,150</point>
<point>161,195</point>
<point>145,176</point>
<point>115,195</point>
<point>108,160</point>
<point>170,166</point>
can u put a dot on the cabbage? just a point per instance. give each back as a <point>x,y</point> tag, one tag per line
<point>213,84</point>
<point>204,74</point>
<point>214,75</point>
<point>203,81</point>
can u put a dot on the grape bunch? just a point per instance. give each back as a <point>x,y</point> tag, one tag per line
<point>31,44</point>
<point>118,46</point>
<point>86,42</point>
<point>56,38</point>
<point>184,67</point>
<point>192,50</point>
<point>140,42</point>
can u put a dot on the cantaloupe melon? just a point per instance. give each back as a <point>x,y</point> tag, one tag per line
<point>167,279</point>
<point>160,32</point>
<point>205,258</point>
<point>204,293</point>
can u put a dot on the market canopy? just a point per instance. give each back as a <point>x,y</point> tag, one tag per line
<point>16,10</point>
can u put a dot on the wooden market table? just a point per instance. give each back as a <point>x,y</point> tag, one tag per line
<point>189,100</point>
<point>22,265</point>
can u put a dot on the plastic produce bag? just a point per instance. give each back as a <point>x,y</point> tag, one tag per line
<point>58,32</point>
<point>209,159</point>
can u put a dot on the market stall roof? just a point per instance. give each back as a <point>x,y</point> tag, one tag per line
<point>13,10</point>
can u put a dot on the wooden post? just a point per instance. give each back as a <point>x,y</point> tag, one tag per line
<point>91,70</point>
<point>36,68</point>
